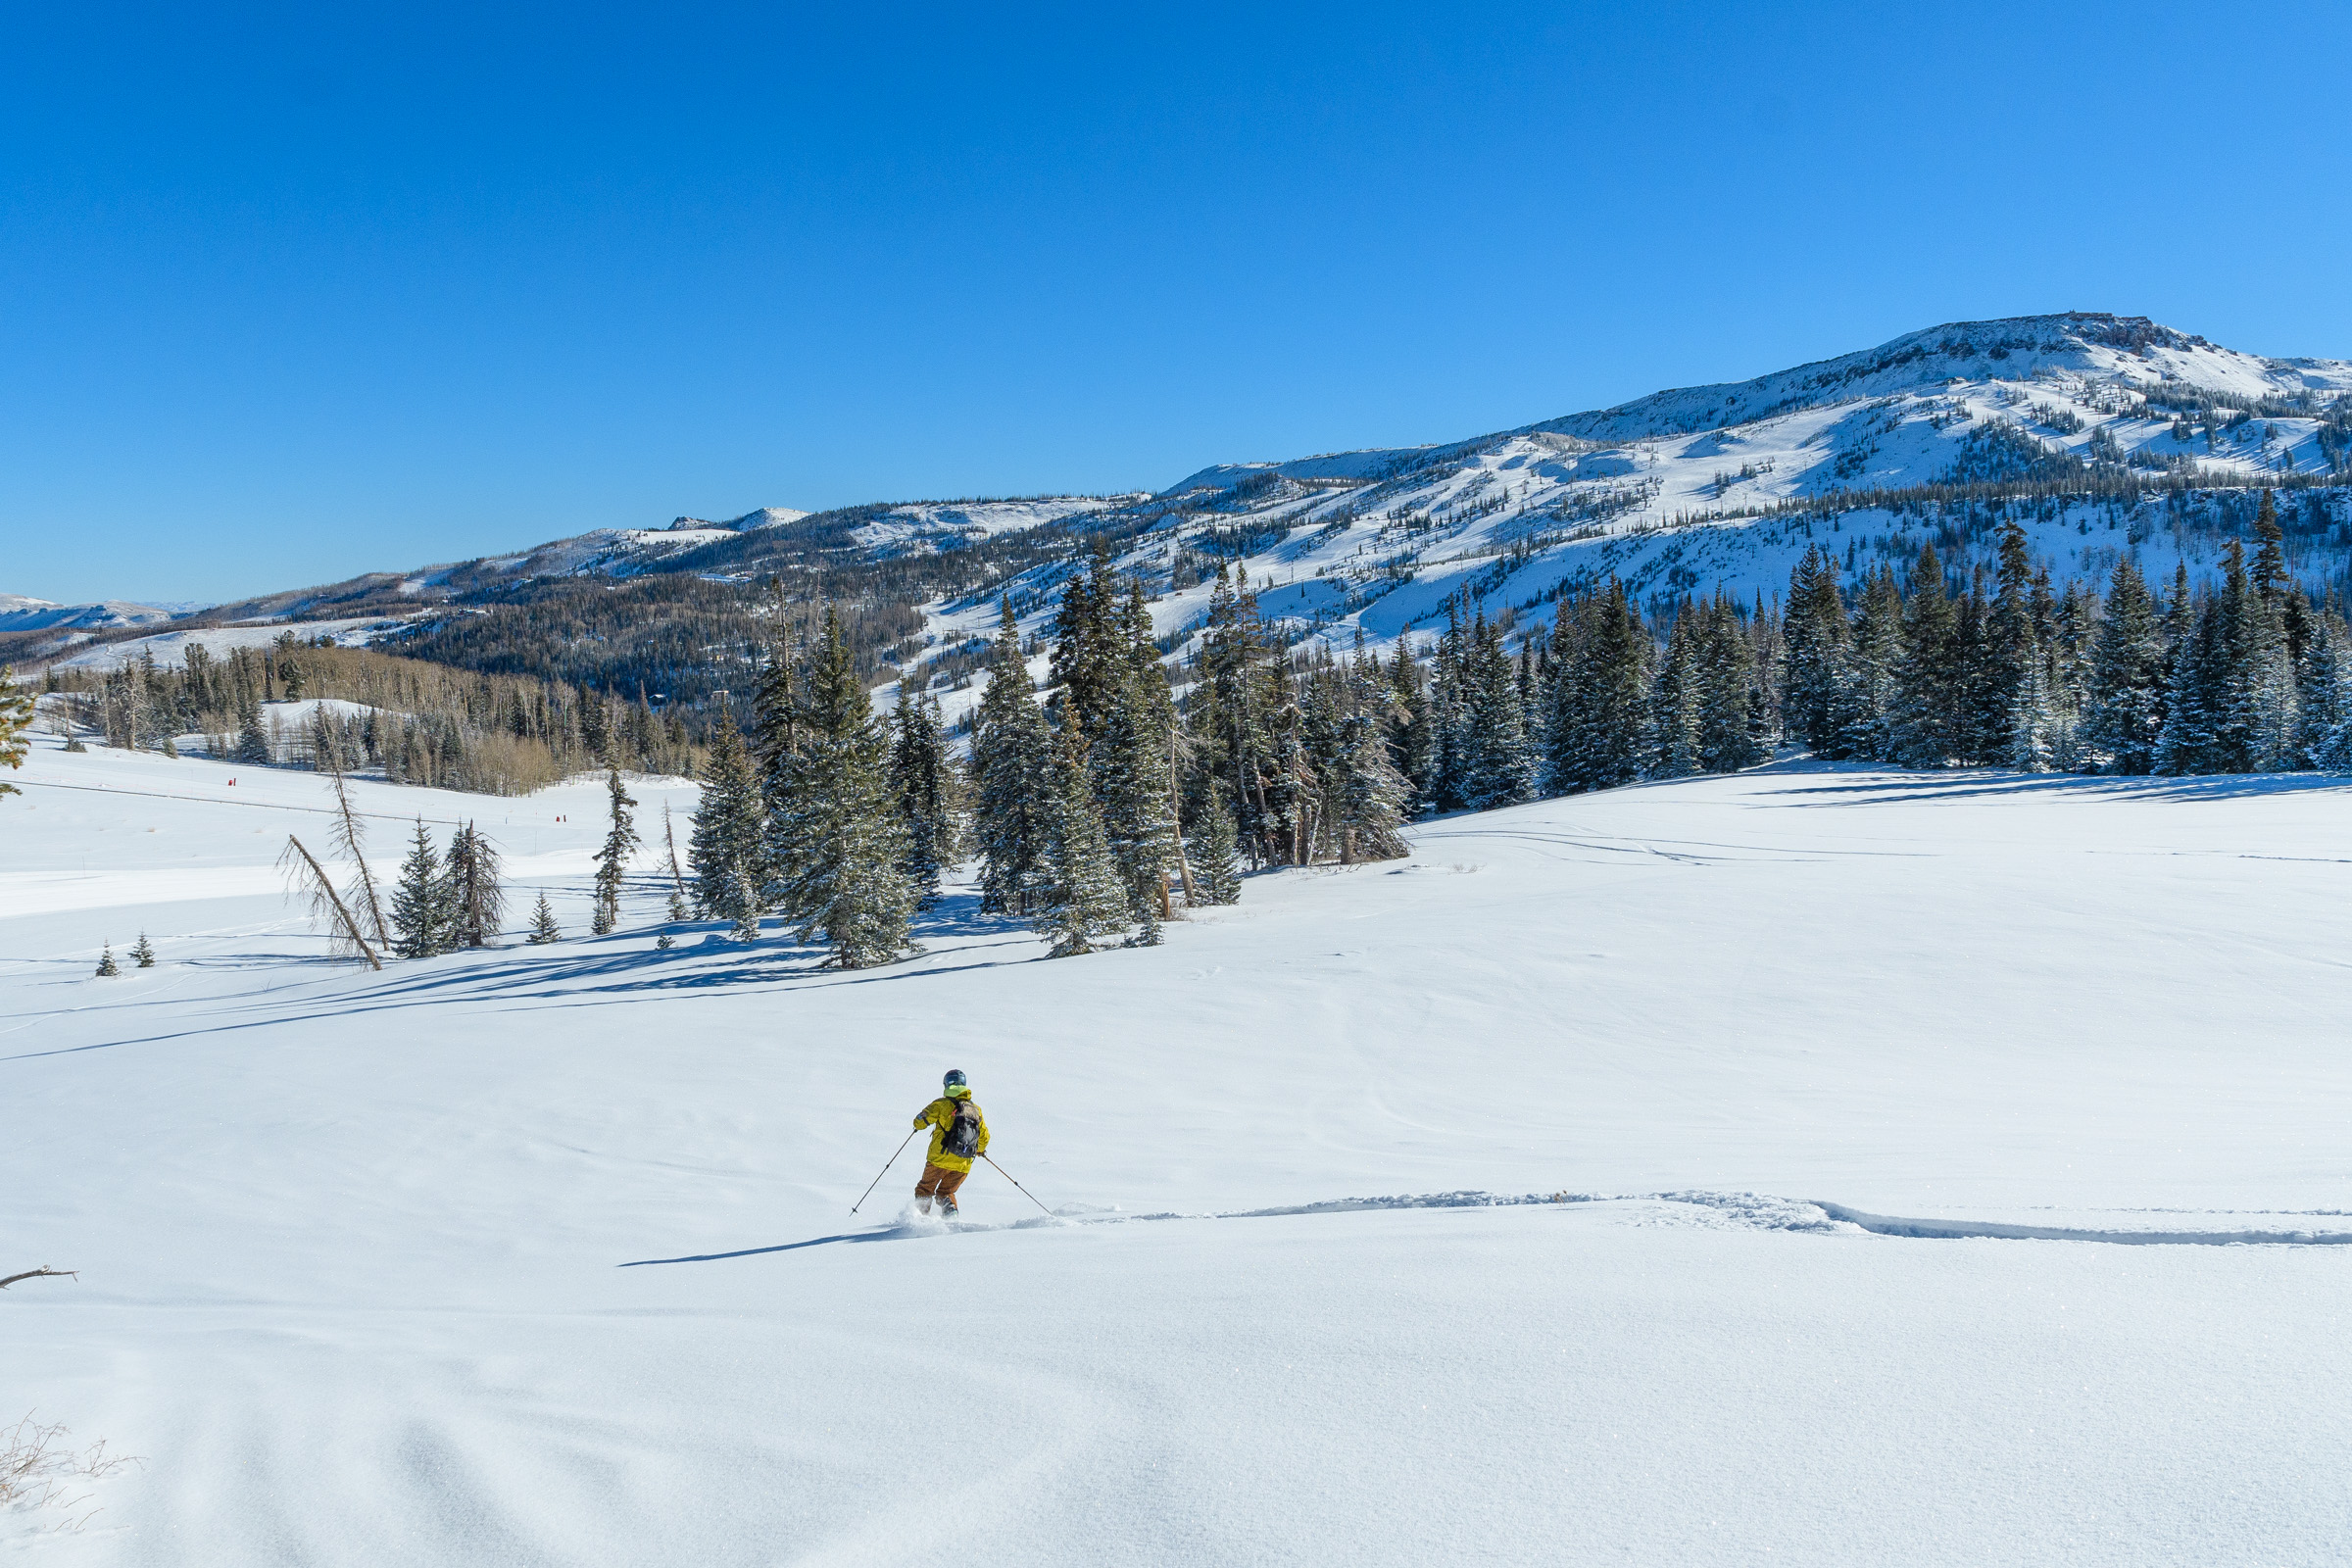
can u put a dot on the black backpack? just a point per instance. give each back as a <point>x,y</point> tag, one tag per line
<point>961,1137</point>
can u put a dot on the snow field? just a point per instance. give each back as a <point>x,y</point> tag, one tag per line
<point>542,1256</point>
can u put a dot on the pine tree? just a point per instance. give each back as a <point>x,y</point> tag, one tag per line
<point>420,902</point>
<point>1216,851</point>
<point>1083,896</point>
<point>922,780</point>
<point>1012,765</point>
<point>144,952</point>
<point>1129,763</point>
<point>1817,646</point>
<point>1090,660</point>
<point>1676,702</point>
<point>613,861</point>
<point>107,967</point>
<point>840,844</point>
<point>543,924</point>
<point>1601,732</point>
<point>2127,676</point>
<point>252,742</point>
<point>1869,695</point>
<point>1498,766</point>
<point>1929,680</point>
<point>16,722</point>
<point>1372,794</point>
<point>477,899</point>
<point>726,847</point>
<point>1731,698</point>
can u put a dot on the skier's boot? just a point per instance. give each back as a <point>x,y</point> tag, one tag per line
<point>922,1205</point>
<point>946,1207</point>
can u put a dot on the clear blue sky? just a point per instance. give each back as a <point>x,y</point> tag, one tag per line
<point>288,294</point>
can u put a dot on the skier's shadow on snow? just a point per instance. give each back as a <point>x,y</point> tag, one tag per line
<point>894,1234</point>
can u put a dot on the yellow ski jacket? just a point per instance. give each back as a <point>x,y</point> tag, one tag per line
<point>938,1115</point>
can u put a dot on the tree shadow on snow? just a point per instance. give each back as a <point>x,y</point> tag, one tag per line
<point>1880,788</point>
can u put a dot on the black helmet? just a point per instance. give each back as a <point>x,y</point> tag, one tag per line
<point>954,1081</point>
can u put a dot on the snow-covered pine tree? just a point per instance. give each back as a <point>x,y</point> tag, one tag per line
<point>477,898</point>
<point>1083,896</point>
<point>107,967</point>
<point>1230,705</point>
<point>1129,763</point>
<point>2013,650</point>
<point>1498,766</point>
<point>1216,848</point>
<point>1013,767</point>
<point>421,901</point>
<point>2125,704</point>
<point>1930,683</point>
<point>2280,619</point>
<point>543,924</point>
<point>922,780</point>
<point>1407,729</point>
<point>143,955</point>
<point>728,845</point>
<point>2324,689</point>
<point>1090,660</point>
<point>1817,643</point>
<point>1601,730</point>
<point>1676,699</point>
<point>16,725</point>
<point>1731,721</point>
<point>252,742</point>
<point>841,846</point>
<point>1870,691</point>
<point>613,861</point>
<point>1372,794</point>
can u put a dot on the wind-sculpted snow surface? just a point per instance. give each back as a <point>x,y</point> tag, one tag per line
<point>1712,1172</point>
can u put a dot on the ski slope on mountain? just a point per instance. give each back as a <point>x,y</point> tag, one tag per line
<point>543,1254</point>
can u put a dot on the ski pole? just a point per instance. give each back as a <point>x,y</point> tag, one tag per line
<point>1008,1175</point>
<point>884,1171</point>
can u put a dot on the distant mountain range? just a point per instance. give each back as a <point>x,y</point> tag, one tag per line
<point>2111,432</point>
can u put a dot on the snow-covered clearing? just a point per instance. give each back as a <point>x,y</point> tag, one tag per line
<point>542,1256</point>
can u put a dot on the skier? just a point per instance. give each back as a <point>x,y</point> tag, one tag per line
<point>958,1136</point>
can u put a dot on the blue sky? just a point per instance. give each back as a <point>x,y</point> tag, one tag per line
<point>288,294</point>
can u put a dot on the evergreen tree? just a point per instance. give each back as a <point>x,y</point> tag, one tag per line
<point>2127,676</point>
<point>1601,730</point>
<point>1870,695</point>
<point>1130,762</point>
<point>726,847</point>
<point>613,861</point>
<point>1230,707</point>
<point>1817,645</point>
<point>1406,727</point>
<point>1216,851</point>
<point>840,844</point>
<point>1372,794</point>
<point>420,902</point>
<point>922,780</point>
<point>144,952</point>
<point>2323,692</point>
<point>1083,896</point>
<point>1090,660</point>
<point>1498,766</point>
<point>2012,664</point>
<point>1676,702</point>
<point>16,722</point>
<point>107,967</point>
<point>252,743</point>
<point>543,924</point>
<point>1731,698</point>
<point>1013,767</point>
<point>1929,682</point>
<point>476,896</point>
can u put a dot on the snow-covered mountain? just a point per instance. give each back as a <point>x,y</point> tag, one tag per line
<point>2102,433</point>
<point>18,613</point>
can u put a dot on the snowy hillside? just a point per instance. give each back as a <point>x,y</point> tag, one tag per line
<point>544,1254</point>
<point>19,612</point>
<point>2101,434</point>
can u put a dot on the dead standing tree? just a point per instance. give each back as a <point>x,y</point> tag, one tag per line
<point>310,879</point>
